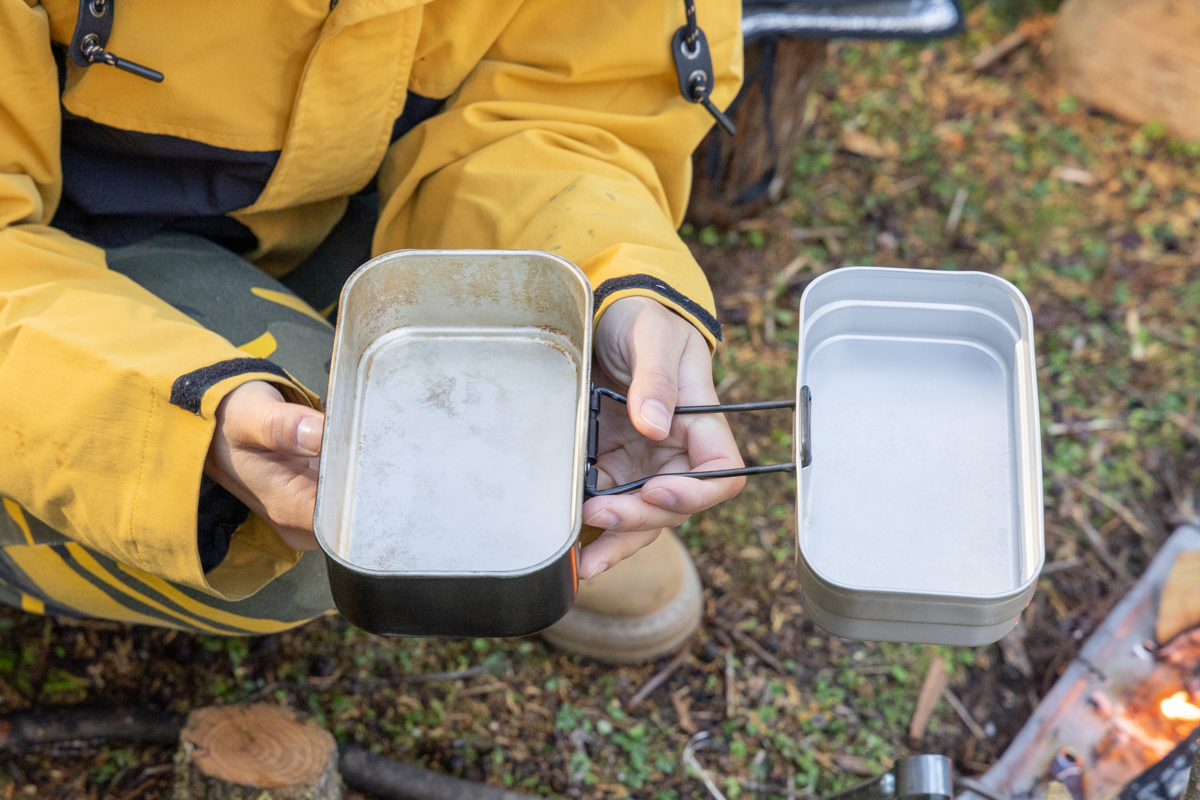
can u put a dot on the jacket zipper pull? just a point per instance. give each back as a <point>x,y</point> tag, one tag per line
<point>92,28</point>
<point>94,52</point>
<point>693,66</point>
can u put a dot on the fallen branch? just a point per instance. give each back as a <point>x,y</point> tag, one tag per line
<point>362,770</point>
<point>30,729</point>
<point>383,777</point>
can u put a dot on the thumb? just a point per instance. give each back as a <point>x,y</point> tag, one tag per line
<point>256,415</point>
<point>657,350</point>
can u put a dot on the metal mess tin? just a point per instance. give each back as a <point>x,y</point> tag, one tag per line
<point>920,514</point>
<point>462,428</point>
<point>453,460</point>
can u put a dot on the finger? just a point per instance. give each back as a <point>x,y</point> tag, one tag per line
<point>657,347</point>
<point>258,419</point>
<point>612,548</point>
<point>628,512</point>
<point>690,495</point>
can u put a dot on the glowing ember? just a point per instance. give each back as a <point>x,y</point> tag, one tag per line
<point>1177,706</point>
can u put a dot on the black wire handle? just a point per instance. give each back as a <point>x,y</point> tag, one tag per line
<point>589,486</point>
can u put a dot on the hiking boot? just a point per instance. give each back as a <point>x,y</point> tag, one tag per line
<point>642,608</point>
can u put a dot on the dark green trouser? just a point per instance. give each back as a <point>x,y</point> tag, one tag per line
<point>280,321</point>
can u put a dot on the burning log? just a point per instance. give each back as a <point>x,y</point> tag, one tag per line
<point>1121,706</point>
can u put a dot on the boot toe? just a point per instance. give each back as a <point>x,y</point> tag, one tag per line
<point>643,608</point>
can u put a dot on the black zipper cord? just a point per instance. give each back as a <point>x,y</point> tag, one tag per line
<point>693,66</point>
<point>92,28</point>
<point>692,30</point>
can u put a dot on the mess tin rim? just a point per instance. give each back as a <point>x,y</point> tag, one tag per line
<point>572,540</point>
<point>912,594</point>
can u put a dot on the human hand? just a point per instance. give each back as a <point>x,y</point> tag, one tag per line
<point>265,452</point>
<point>665,362</point>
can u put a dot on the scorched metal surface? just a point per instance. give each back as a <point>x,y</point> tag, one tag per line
<point>451,476</point>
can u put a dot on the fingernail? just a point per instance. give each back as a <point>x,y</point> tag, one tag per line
<point>602,519</point>
<point>661,498</point>
<point>656,415</point>
<point>601,567</point>
<point>308,435</point>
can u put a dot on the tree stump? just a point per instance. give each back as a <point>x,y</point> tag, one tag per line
<point>256,752</point>
<point>1138,59</point>
<point>734,176</point>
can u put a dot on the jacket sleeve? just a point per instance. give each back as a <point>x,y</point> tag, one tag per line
<point>108,395</point>
<point>570,136</point>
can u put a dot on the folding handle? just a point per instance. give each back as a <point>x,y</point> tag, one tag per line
<point>805,426</point>
<point>590,490</point>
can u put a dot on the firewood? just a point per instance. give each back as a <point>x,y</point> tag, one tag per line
<point>1138,59</point>
<point>1179,603</point>
<point>255,752</point>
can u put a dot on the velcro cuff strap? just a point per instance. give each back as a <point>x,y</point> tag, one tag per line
<point>665,290</point>
<point>188,390</point>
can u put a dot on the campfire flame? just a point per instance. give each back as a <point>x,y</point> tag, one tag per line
<point>1177,706</point>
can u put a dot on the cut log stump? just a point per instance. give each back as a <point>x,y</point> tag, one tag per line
<point>1138,59</point>
<point>255,752</point>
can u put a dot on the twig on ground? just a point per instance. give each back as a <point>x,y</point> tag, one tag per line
<point>759,651</point>
<point>730,691</point>
<point>931,690</point>
<point>1116,506</point>
<point>689,758</point>
<point>956,211</point>
<point>907,184</point>
<point>682,711</point>
<point>813,234</point>
<point>1169,336</point>
<point>1012,649</point>
<point>147,776</point>
<point>493,668</point>
<point>486,688</point>
<point>1185,424</point>
<point>964,714</point>
<point>1082,426</point>
<point>1061,565</point>
<point>658,680</point>
<point>998,52</point>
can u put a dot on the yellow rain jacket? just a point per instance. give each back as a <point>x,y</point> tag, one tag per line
<point>545,124</point>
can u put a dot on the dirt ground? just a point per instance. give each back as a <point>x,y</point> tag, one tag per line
<point>1094,219</point>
